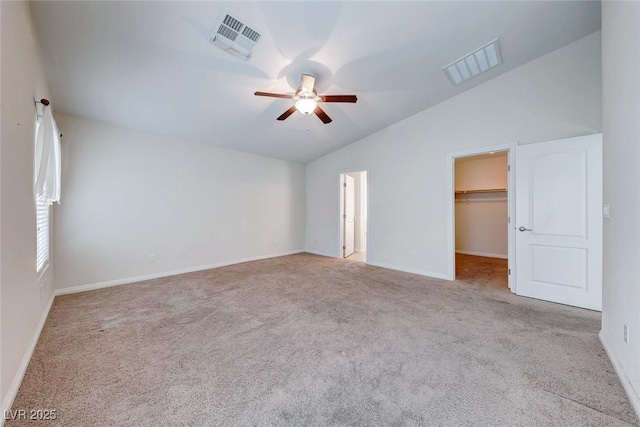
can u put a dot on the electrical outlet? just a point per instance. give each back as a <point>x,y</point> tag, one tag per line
<point>626,334</point>
<point>152,258</point>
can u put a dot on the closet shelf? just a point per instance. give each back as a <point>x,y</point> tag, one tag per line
<point>485,190</point>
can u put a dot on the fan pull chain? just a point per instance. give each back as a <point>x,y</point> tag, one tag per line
<point>307,132</point>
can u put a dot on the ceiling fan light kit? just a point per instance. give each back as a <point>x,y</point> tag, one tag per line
<point>306,106</point>
<point>306,100</point>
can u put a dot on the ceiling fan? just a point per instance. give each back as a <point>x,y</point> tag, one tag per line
<point>307,99</point>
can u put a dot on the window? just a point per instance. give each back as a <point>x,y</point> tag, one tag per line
<point>42,233</point>
<point>46,189</point>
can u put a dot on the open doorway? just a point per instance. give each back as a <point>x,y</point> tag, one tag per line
<point>353,215</point>
<point>481,205</point>
<point>482,218</point>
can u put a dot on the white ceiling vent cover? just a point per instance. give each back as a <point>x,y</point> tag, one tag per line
<point>234,37</point>
<point>474,63</point>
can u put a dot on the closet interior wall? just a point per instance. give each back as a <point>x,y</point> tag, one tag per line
<point>481,205</point>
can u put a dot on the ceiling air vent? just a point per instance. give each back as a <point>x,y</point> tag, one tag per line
<point>234,37</point>
<point>474,63</point>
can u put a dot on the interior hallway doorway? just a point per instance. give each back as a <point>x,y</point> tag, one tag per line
<point>353,215</point>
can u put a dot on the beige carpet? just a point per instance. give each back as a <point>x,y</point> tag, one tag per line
<point>307,340</point>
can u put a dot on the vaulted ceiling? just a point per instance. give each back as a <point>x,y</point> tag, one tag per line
<point>150,65</point>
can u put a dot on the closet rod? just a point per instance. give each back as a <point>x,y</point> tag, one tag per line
<point>488,190</point>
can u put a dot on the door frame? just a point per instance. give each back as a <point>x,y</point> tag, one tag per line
<point>510,148</point>
<point>341,211</point>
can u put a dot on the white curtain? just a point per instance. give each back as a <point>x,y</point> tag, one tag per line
<point>48,163</point>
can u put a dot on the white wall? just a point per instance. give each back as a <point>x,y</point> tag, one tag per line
<point>621,128</point>
<point>481,218</point>
<point>485,171</point>
<point>23,305</point>
<point>555,96</point>
<point>129,194</point>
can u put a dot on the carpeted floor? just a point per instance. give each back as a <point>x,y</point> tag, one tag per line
<point>308,340</point>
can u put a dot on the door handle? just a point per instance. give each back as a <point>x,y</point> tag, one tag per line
<point>521,228</point>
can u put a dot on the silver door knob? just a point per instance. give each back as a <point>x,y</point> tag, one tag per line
<point>521,228</point>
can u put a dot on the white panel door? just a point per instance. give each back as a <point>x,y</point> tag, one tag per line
<point>349,216</point>
<point>559,221</point>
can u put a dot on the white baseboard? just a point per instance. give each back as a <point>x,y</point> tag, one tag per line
<point>634,398</point>
<point>24,364</point>
<point>409,270</point>
<point>320,254</point>
<point>390,267</point>
<point>484,254</point>
<point>128,280</point>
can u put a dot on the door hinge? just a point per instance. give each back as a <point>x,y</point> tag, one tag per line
<point>344,185</point>
<point>344,216</point>
<point>344,248</point>
<point>509,220</point>
<point>508,168</point>
<point>509,272</point>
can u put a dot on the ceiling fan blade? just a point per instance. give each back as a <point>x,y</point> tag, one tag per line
<point>322,115</point>
<point>287,113</point>
<point>273,95</point>
<point>307,82</point>
<point>339,98</point>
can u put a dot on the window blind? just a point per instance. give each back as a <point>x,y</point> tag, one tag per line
<point>42,233</point>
